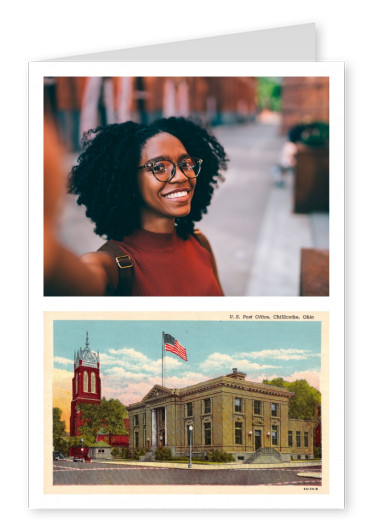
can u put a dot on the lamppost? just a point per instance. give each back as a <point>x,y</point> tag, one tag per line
<point>190,445</point>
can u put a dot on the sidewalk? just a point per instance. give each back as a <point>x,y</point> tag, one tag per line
<point>276,266</point>
<point>214,466</point>
<point>256,237</point>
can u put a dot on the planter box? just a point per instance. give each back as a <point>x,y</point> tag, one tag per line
<point>311,186</point>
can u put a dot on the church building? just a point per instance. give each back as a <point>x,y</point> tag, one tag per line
<point>86,388</point>
<point>229,413</point>
<point>86,385</point>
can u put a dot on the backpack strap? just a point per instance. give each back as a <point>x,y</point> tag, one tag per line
<point>204,242</point>
<point>125,268</point>
<point>125,264</point>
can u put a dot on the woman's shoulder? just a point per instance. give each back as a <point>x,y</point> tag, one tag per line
<point>202,239</point>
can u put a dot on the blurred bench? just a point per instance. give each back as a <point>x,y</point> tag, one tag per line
<point>314,273</point>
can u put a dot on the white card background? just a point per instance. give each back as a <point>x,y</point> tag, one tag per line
<point>333,304</point>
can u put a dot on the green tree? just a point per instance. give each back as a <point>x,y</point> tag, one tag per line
<point>108,415</point>
<point>58,432</point>
<point>303,405</point>
<point>269,93</point>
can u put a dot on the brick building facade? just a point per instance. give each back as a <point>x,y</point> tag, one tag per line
<point>304,100</point>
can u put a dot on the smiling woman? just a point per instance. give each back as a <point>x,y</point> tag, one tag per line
<point>144,187</point>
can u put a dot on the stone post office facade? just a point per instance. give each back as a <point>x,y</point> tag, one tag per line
<point>227,413</point>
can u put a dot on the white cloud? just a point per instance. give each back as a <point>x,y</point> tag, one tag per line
<point>312,377</point>
<point>130,353</point>
<point>63,361</point>
<point>280,354</point>
<point>218,361</point>
<point>61,376</point>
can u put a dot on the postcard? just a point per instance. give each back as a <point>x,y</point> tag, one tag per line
<point>187,403</point>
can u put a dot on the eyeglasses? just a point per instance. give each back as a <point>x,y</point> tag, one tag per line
<point>165,170</point>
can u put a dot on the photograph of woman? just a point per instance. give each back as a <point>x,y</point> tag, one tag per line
<point>141,158</point>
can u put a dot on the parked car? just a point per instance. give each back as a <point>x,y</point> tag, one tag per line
<point>81,458</point>
<point>58,456</point>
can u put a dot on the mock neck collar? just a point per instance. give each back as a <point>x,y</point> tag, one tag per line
<point>153,241</point>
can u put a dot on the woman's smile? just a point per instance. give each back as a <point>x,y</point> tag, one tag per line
<point>180,195</point>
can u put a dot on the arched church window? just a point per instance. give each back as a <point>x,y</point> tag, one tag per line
<point>86,382</point>
<point>92,385</point>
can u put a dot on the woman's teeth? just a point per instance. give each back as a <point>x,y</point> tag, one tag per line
<point>176,194</point>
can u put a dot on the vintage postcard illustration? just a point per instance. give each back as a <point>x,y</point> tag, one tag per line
<point>187,403</point>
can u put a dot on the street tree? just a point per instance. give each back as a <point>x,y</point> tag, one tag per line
<point>58,432</point>
<point>109,416</point>
<point>306,399</point>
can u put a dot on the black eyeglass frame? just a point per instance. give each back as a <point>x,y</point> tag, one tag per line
<point>150,165</point>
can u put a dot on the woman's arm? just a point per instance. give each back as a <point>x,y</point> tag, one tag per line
<point>91,274</point>
<point>64,272</point>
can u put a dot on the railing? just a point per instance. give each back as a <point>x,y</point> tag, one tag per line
<point>265,451</point>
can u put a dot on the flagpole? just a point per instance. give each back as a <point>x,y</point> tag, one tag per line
<point>162,355</point>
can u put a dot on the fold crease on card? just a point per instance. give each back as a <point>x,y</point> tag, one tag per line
<point>290,43</point>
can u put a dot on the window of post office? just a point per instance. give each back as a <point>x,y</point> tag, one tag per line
<point>136,439</point>
<point>290,439</point>
<point>207,433</point>
<point>274,409</point>
<point>189,409</point>
<point>207,405</point>
<point>238,405</point>
<point>136,420</point>
<point>306,439</point>
<point>274,435</point>
<point>257,407</point>
<point>238,433</point>
<point>298,441</point>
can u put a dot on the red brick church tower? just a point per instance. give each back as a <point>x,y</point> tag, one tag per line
<point>86,384</point>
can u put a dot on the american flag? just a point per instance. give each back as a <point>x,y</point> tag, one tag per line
<point>172,345</point>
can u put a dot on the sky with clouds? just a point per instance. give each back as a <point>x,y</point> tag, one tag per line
<point>131,354</point>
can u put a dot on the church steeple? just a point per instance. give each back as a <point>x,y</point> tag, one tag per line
<point>86,384</point>
<point>87,357</point>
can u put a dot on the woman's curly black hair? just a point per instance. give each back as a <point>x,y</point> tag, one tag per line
<point>105,176</point>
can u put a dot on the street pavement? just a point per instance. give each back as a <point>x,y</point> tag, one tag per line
<point>254,233</point>
<point>159,473</point>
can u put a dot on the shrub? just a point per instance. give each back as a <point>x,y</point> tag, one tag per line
<point>220,457</point>
<point>115,452</point>
<point>125,453</point>
<point>163,454</point>
<point>317,452</point>
<point>138,453</point>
